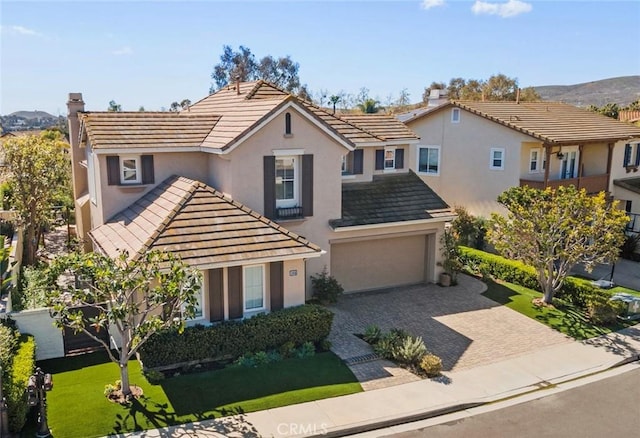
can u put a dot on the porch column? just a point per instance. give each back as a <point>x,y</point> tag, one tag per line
<point>609,158</point>
<point>547,154</point>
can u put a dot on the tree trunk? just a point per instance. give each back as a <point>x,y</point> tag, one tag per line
<point>124,377</point>
<point>30,246</point>
<point>548,294</point>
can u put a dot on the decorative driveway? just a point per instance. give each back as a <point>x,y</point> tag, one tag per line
<point>457,323</point>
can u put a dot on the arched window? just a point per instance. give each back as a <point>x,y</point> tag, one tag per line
<point>287,124</point>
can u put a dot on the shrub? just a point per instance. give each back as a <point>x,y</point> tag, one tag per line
<point>451,255</point>
<point>390,342</point>
<point>31,293</point>
<point>497,266</point>
<point>630,249</point>
<point>287,349</point>
<point>410,351</point>
<point>470,230</point>
<point>372,334</point>
<point>109,389</point>
<point>18,377</point>
<point>154,377</point>
<point>8,343</point>
<point>325,345</point>
<point>325,287</point>
<point>431,365</point>
<point>231,339</point>
<point>601,310</point>
<point>261,358</point>
<point>306,350</point>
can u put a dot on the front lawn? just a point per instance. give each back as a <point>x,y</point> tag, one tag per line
<point>77,407</point>
<point>563,316</point>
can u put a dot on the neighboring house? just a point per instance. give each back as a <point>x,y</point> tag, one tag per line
<point>242,182</point>
<point>470,152</point>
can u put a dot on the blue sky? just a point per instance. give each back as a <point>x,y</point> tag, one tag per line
<point>152,53</point>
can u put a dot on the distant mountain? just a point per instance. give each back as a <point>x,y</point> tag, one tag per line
<point>622,90</point>
<point>33,115</point>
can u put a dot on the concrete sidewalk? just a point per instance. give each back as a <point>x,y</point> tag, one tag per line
<point>341,416</point>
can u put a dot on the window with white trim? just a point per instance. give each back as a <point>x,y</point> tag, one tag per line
<point>631,155</point>
<point>455,115</point>
<point>130,169</point>
<point>429,160</point>
<point>534,161</point>
<point>286,181</point>
<point>199,296</point>
<point>389,158</point>
<point>253,283</point>
<point>91,176</point>
<point>496,159</point>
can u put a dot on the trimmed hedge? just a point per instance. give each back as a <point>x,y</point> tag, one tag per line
<point>575,290</point>
<point>231,339</point>
<point>23,366</point>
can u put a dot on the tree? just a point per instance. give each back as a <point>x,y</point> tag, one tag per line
<point>403,99</point>
<point>610,110</point>
<point>40,175</point>
<point>242,65</point>
<point>136,297</point>
<point>455,87</point>
<point>185,103</point>
<point>141,109</point>
<point>370,106</point>
<point>333,100</point>
<point>174,107</point>
<point>114,107</point>
<point>553,230</point>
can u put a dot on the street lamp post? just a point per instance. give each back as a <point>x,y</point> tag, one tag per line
<point>4,415</point>
<point>39,383</point>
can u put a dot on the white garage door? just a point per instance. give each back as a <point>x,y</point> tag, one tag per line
<point>373,264</point>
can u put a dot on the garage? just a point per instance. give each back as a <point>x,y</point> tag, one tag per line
<point>377,263</point>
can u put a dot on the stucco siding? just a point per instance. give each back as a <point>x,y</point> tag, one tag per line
<point>294,282</point>
<point>465,175</point>
<point>114,198</point>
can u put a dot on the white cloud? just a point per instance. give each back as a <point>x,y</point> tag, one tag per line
<point>20,30</point>
<point>126,50</point>
<point>428,4</point>
<point>509,9</point>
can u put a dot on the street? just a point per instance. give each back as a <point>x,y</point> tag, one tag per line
<point>605,408</point>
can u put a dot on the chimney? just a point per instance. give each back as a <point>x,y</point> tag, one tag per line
<point>238,85</point>
<point>75,105</point>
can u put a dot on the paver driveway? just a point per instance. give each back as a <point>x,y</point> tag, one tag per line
<point>457,323</point>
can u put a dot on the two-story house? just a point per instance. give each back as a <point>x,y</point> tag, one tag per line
<point>259,190</point>
<point>470,152</point>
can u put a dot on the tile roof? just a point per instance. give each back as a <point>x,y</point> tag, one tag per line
<point>383,126</point>
<point>632,184</point>
<point>551,122</point>
<point>147,129</point>
<point>389,198</point>
<point>199,224</point>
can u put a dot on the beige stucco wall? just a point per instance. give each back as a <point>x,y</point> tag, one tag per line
<point>465,177</point>
<point>38,322</point>
<point>246,177</point>
<point>112,199</point>
<point>618,171</point>
<point>294,282</point>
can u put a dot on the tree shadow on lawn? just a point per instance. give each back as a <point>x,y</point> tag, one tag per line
<point>145,416</point>
<point>72,363</point>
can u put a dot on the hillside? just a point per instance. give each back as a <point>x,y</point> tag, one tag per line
<point>32,115</point>
<point>622,90</point>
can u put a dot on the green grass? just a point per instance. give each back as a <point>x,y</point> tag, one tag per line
<point>78,408</point>
<point>563,317</point>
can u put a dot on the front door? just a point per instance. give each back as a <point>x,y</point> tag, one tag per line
<point>569,164</point>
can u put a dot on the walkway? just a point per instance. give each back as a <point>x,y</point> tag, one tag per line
<point>457,323</point>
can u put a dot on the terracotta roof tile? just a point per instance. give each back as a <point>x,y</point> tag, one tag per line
<point>550,122</point>
<point>383,126</point>
<point>199,224</point>
<point>389,198</point>
<point>147,129</point>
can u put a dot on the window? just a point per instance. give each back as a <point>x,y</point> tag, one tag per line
<point>130,170</point>
<point>534,160</point>
<point>631,158</point>
<point>199,295</point>
<point>497,159</point>
<point>286,189</point>
<point>287,124</point>
<point>352,163</point>
<point>429,159</point>
<point>389,158</point>
<point>91,176</point>
<point>253,281</point>
<point>455,115</point>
